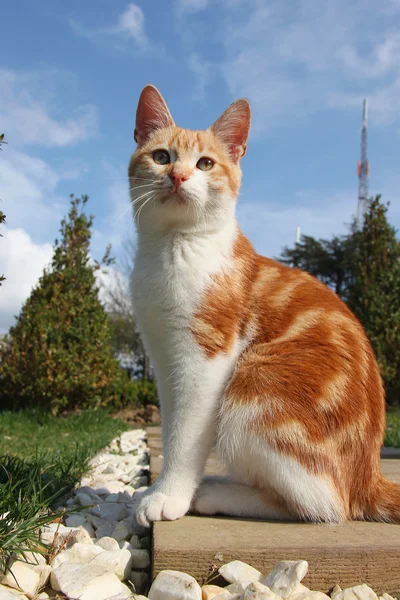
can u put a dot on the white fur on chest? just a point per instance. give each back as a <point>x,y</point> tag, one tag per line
<point>170,277</point>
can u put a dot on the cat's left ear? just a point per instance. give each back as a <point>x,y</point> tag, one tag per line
<point>233,128</point>
<point>152,113</point>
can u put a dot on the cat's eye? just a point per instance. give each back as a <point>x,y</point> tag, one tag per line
<point>161,157</point>
<point>205,163</point>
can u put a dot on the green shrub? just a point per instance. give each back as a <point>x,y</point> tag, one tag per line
<point>59,354</point>
<point>132,393</point>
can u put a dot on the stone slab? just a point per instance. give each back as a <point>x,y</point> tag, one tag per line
<point>347,554</point>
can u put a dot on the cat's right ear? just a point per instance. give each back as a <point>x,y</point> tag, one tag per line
<point>233,128</point>
<point>152,113</point>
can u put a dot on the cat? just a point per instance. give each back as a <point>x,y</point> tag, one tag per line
<point>259,360</point>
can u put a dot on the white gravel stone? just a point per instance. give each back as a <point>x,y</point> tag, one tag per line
<point>310,596</point>
<point>124,497</point>
<point>85,582</point>
<point>109,487</point>
<point>118,562</point>
<point>76,535</point>
<point>7,593</point>
<point>75,521</point>
<point>138,578</point>
<point>48,533</point>
<point>137,529</point>
<point>90,530</point>
<point>358,592</point>
<point>285,577</point>
<point>112,498</point>
<point>96,522</point>
<point>141,558</point>
<point>124,596</point>
<point>228,596</point>
<point>83,499</point>
<point>135,541</point>
<point>77,554</point>
<point>208,592</point>
<point>174,585</point>
<point>120,532</point>
<point>124,478</point>
<point>336,590</point>
<point>27,578</point>
<point>258,591</point>
<point>42,596</point>
<point>33,558</point>
<point>112,469</point>
<point>110,511</point>
<point>108,543</point>
<point>105,530</point>
<point>237,571</point>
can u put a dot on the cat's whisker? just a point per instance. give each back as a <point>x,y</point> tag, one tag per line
<point>136,187</point>
<point>132,203</point>
<point>137,213</point>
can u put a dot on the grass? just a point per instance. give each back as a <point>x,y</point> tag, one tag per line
<point>392,437</point>
<point>41,458</point>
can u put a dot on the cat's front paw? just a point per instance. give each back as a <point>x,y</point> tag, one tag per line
<point>159,507</point>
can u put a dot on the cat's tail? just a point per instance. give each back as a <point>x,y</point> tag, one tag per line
<point>386,502</point>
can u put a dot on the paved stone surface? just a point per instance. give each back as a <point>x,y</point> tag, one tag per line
<point>347,554</point>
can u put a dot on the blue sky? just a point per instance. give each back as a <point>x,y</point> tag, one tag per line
<point>71,73</point>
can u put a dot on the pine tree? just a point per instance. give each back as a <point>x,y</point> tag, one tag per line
<point>375,294</point>
<point>332,261</point>
<point>59,354</point>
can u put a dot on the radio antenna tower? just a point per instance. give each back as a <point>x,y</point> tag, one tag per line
<point>363,169</point>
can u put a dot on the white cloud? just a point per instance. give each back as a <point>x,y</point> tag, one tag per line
<point>191,6</point>
<point>294,59</point>
<point>22,263</point>
<point>28,192</point>
<point>272,225</point>
<point>131,22</point>
<point>383,103</point>
<point>27,119</point>
<point>204,73</point>
<point>130,26</point>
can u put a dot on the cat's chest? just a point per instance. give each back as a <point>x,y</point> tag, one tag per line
<point>168,284</point>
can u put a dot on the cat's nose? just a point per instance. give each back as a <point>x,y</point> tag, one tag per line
<point>178,178</point>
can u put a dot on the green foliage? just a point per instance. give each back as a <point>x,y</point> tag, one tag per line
<point>392,436</point>
<point>133,393</point>
<point>375,294</point>
<point>68,437</point>
<point>363,267</point>
<point>332,261</point>
<point>59,354</point>
<point>61,448</point>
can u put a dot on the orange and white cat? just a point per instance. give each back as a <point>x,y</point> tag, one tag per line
<point>259,360</point>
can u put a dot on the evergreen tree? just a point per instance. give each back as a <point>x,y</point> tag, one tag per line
<point>59,354</point>
<point>332,261</point>
<point>375,294</point>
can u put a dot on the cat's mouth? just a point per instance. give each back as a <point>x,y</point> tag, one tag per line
<point>176,196</point>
